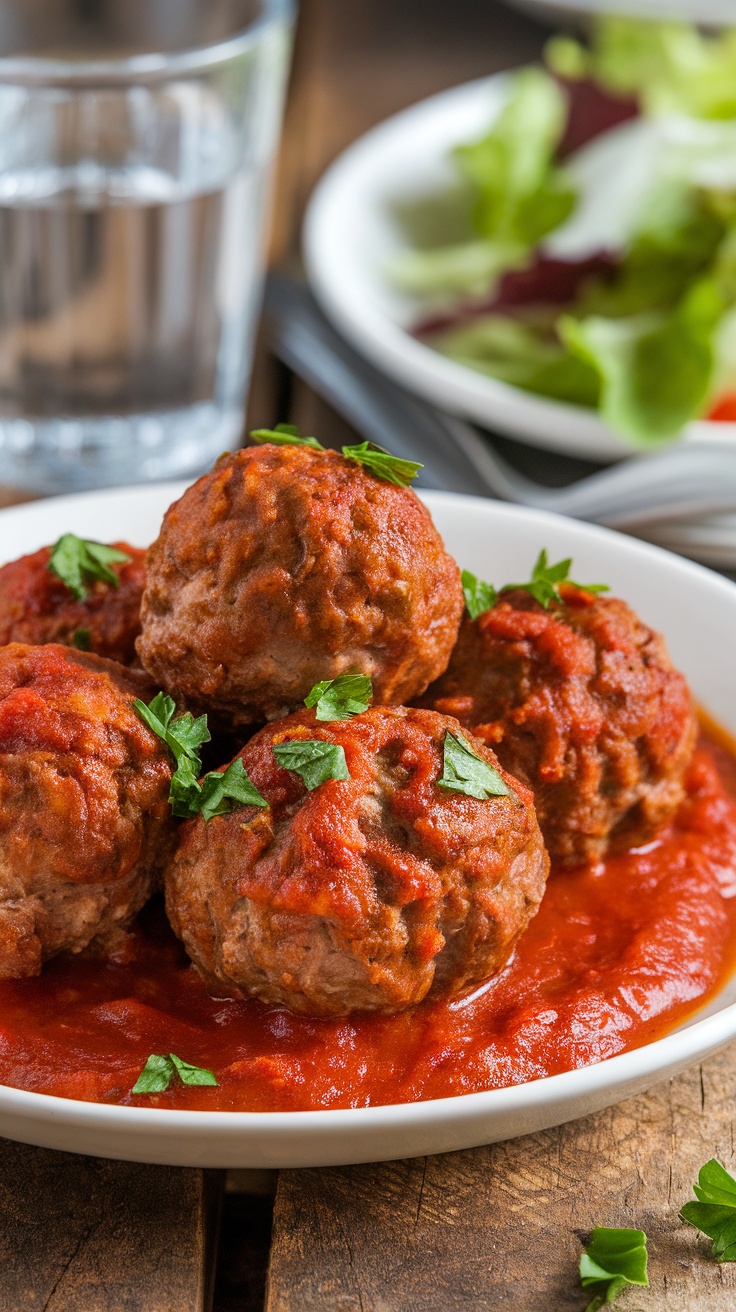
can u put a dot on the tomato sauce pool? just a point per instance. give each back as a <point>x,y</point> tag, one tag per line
<point>618,955</point>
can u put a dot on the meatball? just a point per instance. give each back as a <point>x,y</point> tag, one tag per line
<point>36,607</point>
<point>84,819</point>
<point>367,893</point>
<point>287,565</point>
<point>581,702</point>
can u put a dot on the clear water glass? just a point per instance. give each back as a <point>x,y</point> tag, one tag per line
<point>137,139</point>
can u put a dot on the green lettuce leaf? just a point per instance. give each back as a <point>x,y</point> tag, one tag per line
<point>668,66</point>
<point>655,371</point>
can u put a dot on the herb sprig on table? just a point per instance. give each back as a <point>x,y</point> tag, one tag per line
<point>715,1211</point>
<point>79,562</point>
<point>221,790</point>
<point>613,1259</point>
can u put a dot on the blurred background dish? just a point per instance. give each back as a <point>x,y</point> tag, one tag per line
<point>562,11</point>
<point>354,235</point>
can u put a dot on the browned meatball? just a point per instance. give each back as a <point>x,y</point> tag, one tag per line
<point>582,702</point>
<point>36,607</point>
<point>367,893</point>
<point>84,818</point>
<point>284,566</point>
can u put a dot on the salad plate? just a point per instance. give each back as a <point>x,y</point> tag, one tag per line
<point>693,607</point>
<point>354,236</point>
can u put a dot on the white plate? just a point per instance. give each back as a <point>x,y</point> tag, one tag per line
<point>692,11</point>
<point>351,238</point>
<point>696,610</point>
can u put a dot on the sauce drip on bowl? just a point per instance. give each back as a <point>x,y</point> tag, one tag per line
<point>618,955</point>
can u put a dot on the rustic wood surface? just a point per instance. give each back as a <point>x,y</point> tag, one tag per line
<point>82,1235</point>
<point>502,1227</point>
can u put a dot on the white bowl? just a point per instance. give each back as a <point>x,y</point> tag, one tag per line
<point>697,612</point>
<point>351,238</point>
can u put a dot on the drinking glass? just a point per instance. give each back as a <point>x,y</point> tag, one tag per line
<point>136,145</point>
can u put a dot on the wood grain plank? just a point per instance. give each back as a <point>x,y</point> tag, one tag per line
<point>502,1227</point>
<point>79,1234</point>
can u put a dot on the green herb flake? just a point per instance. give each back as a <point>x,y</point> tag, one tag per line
<point>479,596</point>
<point>183,736</point>
<point>463,771</point>
<point>715,1211</point>
<point>82,639</point>
<point>284,435</point>
<point>224,790</point>
<point>156,1075</point>
<point>221,790</point>
<point>613,1259</point>
<point>341,698</point>
<point>313,760</point>
<point>160,1070</point>
<point>392,469</point>
<point>78,562</point>
<point>544,584</point>
<point>189,1074</point>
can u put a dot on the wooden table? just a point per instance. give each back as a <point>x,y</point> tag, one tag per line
<point>497,1227</point>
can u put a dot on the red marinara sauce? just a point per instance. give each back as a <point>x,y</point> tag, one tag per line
<point>618,955</point>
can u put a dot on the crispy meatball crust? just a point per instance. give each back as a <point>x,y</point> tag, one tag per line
<point>85,824</point>
<point>583,703</point>
<point>284,566</point>
<point>36,607</point>
<point>365,894</point>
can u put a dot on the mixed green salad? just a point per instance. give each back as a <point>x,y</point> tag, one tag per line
<point>643,330</point>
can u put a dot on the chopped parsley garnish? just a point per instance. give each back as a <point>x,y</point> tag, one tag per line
<point>479,596</point>
<point>82,639</point>
<point>612,1260</point>
<point>392,469</point>
<point>78,562</point>
<point>715,1211</point>
<point>221,790</point>
<point>314,761</point>
<point>284,435</point>
<point>465,772</point>
<point>160,1070</point>
<point>340,698</point>
<point>183,736</point>
<point>544,584</point>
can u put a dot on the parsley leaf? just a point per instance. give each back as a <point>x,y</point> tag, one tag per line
<point>479,596</point>
<point>314,761</point>
<point>77,562</point>
<point>160,1070</point>
<point>189,1074</point>
<point>183,736</point>
<point>82,639</point>
<point>156,1075</point>
<point>220,790</point>
<point>715,1212</point>
<point>393,469</point>
<point>284,435</point>
<point>544,584</point>
<point>465,772</point>
<point>223,790</point>
<point>613,1259</point>
<point>338,699</point>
